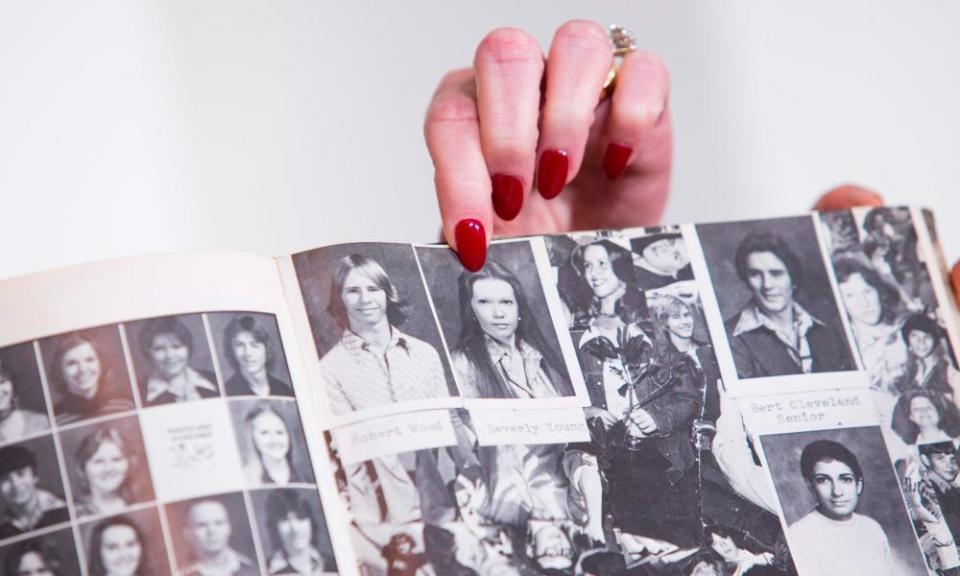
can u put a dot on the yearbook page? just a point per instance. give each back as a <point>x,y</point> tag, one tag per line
<point>153,420</point>
<point>770,397</point>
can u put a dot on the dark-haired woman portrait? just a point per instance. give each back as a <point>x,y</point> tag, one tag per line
<point>250,351</point>
<point>294,536</point>
<point>167,345</point>
<point>927,364</point>
<point>16,421</point>
<point>118,548</point>
<point>774,335</point>
<point>86,384</point>
<point>501,352</point>
<point>923,416</point>
<point>37,557</point>
<point>374,363</point>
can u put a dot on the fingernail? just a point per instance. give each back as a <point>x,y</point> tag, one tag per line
<point>471,243</point>
<point>507,195</point>
<point>615,159</point>
<point>552,173</point>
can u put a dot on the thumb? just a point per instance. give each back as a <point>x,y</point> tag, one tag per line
<point>847,196</point>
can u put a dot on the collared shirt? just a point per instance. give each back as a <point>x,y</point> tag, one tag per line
<point>797,344</point>
<point>237,565</point>
<point>46,502</point>
<point>521,368</point>
<point>357,374</point>
<point>279,563</point>
<point>191,385</point>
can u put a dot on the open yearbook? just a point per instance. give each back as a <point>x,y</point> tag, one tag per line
<point>771,397</point>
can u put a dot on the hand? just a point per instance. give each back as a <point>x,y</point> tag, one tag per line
<point>849,196</point>
<point>513,121</point>
<point>644,422</point>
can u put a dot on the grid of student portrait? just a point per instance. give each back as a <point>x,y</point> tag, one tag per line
<point>842,502</point>
<point>503,324</point>
<point>776,298</point>
<point>74,448</point>
<point>379,348</point>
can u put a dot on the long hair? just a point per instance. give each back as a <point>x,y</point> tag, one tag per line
<point>65,344</point>
<point>253,327</point>
<point>890,301</point>
<point>95,562</point>
<point>396,307</point>
<point>621,262</point>
<point>279,506</point>
<point>259,410</point>
<point>7,375</point>
<point>39,546</point>
<point>89,446</point>
<point>908,431</point>
<point>472,343</point>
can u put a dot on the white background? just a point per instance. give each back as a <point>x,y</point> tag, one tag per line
<point>132,127</point>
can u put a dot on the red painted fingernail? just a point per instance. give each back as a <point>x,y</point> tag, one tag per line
<point>552,173</point>
<point>615,159</point>
<point>507,195</point>
<point>471,243</point>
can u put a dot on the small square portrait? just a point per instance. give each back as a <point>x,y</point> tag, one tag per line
<point>107,466</point>
<point>31,489</point>
<point>293,531</point>
<point>87,374</point>
<point>171,357</point>
<point>251,354</point>
<point>373,327</point>
<point>499,324</point>
<point>211,532</point>
<point>842,503</point>
<point>53,554</point>
<point>130,543</point>
<point>23,409</point>
<point>271,442</point>
<point>660,259</point>
<point>775,295</point>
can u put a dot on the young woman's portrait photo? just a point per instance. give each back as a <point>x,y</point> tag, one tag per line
<point>87,374</point>
<point>775,295</point>
<point>271,442</point>
<point>293,532</point>
<point>842,503</point>
<point>53,554</point>
<point>107,467</point>
<point>375,333</point>
<point>251,354</point>
<point>172,359</point>
<point>23,410</point>
<point>504,344</point>
<point>129,544</point>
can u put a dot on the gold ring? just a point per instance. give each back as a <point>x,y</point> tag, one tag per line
<point>622,42</point>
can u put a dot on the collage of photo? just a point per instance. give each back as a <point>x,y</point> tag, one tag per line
<point>168,445</point>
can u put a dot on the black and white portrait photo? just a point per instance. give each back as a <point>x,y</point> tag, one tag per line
<point>211,535</point>
<point>776,298</point>
<point>498,323</point>
<point>53,554</point>
<point>23,410</point>
<point>31,488</point>
<point>87,374</point>
<point>842,503</point>
<point>271,442</point>
<point>293,531</point>
<point>129,544</point>
<point>251,354</point>
<point>661,259</point>
<point>107,467</point>
<point>375,334</point>
<point>172,359</point>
